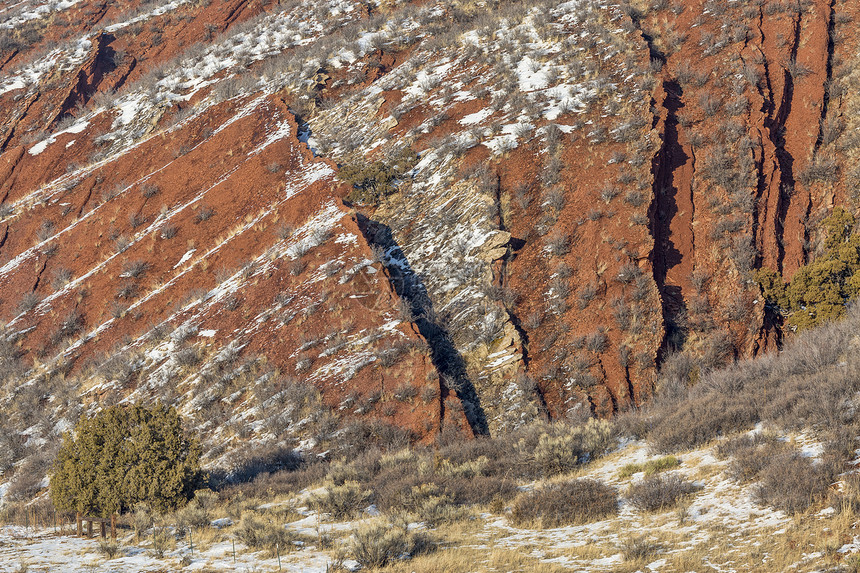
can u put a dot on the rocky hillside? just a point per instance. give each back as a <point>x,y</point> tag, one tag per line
<point>308,224</point>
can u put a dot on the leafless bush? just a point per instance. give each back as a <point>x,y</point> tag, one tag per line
<point>791,482</point>
<point>628,273</point>
<point>586,295</point>
<point>45,231</point>
<point>635,548</point>
<point>342,501</point>
<point>189,357</point>
<point>608,193</point>
<point>257,533</point>
<point>127,291</point>
<point>69,326</point>
<point>405,392</point>
<point>819,170</point>
<point>135,269</point>
<point>121,243</point>
<point>573,502</point>
<point>558,243</point>
<point>555,199</point>
<point>659,492</point>
<point>634,198</point>
<point>27,480</point>
<point>169,231</point>
<point>204,214</point>
<point>136,220</point>
<point>149,190</point>
<point>797,70</point>
<point>597,342</point>
<point>710,103</point>
<point>377,544</point>
<point>639,219</point>
<point>62,277</point>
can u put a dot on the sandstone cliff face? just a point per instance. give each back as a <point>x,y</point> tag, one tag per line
<point>753,117</point>
<point>593,190</point>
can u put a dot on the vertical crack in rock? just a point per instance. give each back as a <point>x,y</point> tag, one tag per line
<point>664,208</point>
<point>447,360</point>
<point>831,24</point>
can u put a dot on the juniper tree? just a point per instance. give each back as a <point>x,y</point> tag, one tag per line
<point>122,456</point>
<point>819,290</point>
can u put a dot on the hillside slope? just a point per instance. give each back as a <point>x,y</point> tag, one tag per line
<point>563,195</point>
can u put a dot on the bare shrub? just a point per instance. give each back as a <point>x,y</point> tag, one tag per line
<point>558,244</point>
<point>127,291</point>
<point>342,501</point>
<point>204,214</point>
<point>69,326</point>
<point>257,533</point>
<point>110,549</point>
<point>750,454</point>
<point>121,243</point>
<point>555,199</point>
<point>405,392</point>
<point>45,231</point>
<point>586,295</point>
<point>788,480</point>
<point>634,198</point>
<point>135,269</point>
<point>169,231</point>
<point>149,190</point>
<point>597,342</point>
<point>637,547</point>
<point>568,503</point>
<point>378,543</point>
<point>27,480</point>
<point>791,483</point>
<point>141,520</point>
<point>820,170</point>
<point>659,492</point>
<point>560,452</point>
<point>136,220</point>
<point>628,273</point>
<point>710,103</point>
<point>189,357</point>
<point>62,276</point>
<point>28,302</point>
<point>162,539</point>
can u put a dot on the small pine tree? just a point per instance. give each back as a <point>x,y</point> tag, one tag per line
<point>123,456</point>
<point>819,291</point>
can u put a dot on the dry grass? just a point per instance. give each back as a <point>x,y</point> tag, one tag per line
<point>650,467</point>
<point>471,559</point>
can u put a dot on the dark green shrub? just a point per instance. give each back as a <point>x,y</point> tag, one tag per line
<point>123,456</point>
<point>819,291</point>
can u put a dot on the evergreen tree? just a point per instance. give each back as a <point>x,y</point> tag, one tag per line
<point>123,456</point>
<point>819,291</point>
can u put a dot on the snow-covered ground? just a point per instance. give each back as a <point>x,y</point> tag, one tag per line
<point>720,527</point>
<point>38,550</point>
